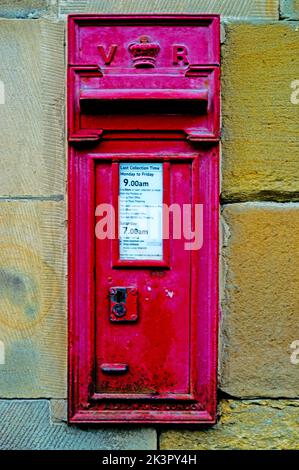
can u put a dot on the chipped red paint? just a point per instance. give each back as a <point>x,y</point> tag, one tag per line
<point>143,89</point>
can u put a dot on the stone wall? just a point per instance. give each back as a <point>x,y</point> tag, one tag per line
<point>258,384</point>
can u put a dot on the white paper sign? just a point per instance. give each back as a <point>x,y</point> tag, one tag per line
<point>140,211</point>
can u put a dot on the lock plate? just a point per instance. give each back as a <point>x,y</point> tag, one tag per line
<point>123,304</point>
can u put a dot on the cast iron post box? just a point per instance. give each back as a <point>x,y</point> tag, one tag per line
<point>143,135</point>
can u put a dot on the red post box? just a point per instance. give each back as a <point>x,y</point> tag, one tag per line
<point>143,134</point>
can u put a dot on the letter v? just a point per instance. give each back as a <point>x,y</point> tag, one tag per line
<point>111,53</point>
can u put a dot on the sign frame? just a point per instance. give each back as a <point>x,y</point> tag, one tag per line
<point>117,261</point>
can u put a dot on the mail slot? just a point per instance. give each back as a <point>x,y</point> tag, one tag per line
<point>143,164</point>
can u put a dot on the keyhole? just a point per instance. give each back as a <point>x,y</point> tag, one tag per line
<point>119,296</point>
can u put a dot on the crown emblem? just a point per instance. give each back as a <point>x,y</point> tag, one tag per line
<point>144,53</point>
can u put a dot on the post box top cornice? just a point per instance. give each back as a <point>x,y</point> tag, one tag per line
<point>111,36</point>
<point>138,17</point>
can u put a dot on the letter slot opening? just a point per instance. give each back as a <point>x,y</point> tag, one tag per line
<point>144,101</point>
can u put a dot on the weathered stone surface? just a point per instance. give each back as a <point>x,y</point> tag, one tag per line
<point>58,411</point>
<point>32,158</point>
<point>260,300</point>
<point>260,425</point>
<point>247,9</point>
<point>260,136</point>
<point>26,8</point>
<point>33,299</point>
<point>289,9</point>
<point>27,425</point>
